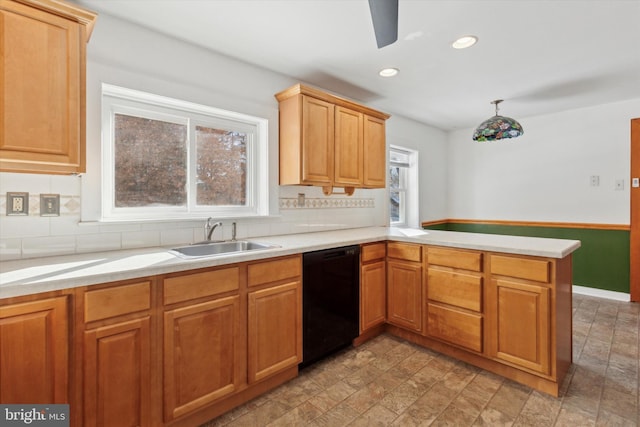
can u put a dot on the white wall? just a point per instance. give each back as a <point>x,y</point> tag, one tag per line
<point>432,158</point>
<point>122,54</point>
<point>544,175</point>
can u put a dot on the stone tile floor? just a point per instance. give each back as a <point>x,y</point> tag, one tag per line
<point>389,382</point>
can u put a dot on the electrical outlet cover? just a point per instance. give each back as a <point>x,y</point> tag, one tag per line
<point>17,203</point>
<point>49,205</point>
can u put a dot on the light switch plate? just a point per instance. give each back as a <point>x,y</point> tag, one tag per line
<point>17,203</point>
<point>49,205</point>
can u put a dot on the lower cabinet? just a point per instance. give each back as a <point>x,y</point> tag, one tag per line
<point>226,329</point>
<point>373,286</point>
<point>274,317</point>
<point>34,352</point>
<point>117,357</point>
<point>274,329</point>
<point>181,348</point>
<point>521,313</point>
<point>202,335</point>
<point>454,297</point>
<point>117,369</point>
<point>200,354</point>
<point>405,294</point>
<point>507,313</point>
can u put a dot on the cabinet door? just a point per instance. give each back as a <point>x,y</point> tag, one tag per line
<point>34,349</point>
<point>117,374</point>
<point>404,294</point>
<point>348,148</point>
<point>317,141</point>
<point>42,85</point>
<point>373,295</point>
<point>520,318</point>
<point>375,153</point>
<point>201,354</point>
<point>274,329</point>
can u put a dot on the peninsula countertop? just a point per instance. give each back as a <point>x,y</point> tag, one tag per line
<point>35,275</point>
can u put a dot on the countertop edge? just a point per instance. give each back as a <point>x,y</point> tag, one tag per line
<point>37,275</point>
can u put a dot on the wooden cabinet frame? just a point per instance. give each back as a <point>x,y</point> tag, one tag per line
<point>35,346</point>
<point>42,78</point>
<point>115,344</point>
<point>201,354</point>
<point>330,141</point>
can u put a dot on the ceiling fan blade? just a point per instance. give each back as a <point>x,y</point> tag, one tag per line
<point>384,14</point>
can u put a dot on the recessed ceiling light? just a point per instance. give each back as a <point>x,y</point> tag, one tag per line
<point>464,42</point>
<point>388,72</point>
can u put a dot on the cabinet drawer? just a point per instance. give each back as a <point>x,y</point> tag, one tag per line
<point>455,259</point>
<point>523,268</point>
<point>273,271</point>
<point>404,251</point>
<point>373,252</point>
<point>198,285</point>
<point>104,303</point>
<point>457,327</point>
<point>461,290</point>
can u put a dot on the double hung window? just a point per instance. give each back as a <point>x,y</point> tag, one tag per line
<point>403,184</point>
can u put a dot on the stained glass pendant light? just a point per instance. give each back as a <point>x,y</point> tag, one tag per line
<point>497,127</point>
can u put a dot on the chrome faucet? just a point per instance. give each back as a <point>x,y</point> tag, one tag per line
<point>209,227</point>
<point>233,232</point>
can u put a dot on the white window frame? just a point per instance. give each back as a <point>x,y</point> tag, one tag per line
<point>408,188</point>
<point>118,100</point>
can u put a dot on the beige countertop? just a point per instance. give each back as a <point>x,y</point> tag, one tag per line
<point>30,276</point>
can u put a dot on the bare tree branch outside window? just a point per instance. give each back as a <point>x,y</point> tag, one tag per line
<point>150,162</point>
<point>221,167</point>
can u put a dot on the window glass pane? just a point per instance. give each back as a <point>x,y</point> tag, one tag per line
<point>394,178</point>
<point>394,195</point>
<point>394,206</point>
<point>398,157</point>
<point>150,162</point>
<point>221,167</point>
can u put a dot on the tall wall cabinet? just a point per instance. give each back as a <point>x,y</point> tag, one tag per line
<point>42,81</point>
<point>329,141</point>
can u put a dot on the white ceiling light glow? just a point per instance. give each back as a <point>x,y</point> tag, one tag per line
<point>388,72</point>
<point>464,42</point>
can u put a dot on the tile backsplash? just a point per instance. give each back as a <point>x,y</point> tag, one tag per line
<point>36,236</point>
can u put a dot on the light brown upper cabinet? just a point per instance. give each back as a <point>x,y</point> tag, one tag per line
<point>328,141</point>
<point>42,80</point>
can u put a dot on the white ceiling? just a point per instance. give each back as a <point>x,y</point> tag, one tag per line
<point>540,56</point>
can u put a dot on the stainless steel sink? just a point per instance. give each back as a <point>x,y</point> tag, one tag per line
<point>209,249</point>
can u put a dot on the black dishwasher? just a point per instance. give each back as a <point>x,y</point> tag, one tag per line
<point>330,301</point>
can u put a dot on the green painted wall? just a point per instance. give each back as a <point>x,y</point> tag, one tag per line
<point>602,261</point>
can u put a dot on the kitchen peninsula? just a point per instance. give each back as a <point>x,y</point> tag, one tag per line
<point>502,303</point>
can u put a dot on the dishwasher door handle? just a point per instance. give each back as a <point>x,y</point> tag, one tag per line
<point>340,253</point>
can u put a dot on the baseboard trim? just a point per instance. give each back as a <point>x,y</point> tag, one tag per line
<point>601,293</point>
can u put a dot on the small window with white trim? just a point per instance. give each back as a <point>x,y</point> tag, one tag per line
<point>169,159</point>
<point>403,187</point>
